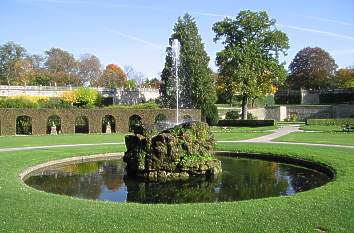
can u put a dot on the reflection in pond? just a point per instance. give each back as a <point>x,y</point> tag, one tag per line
<point>241,179</point>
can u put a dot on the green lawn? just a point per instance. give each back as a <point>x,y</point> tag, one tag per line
<point>325,209</point>
<point>234,136</point>
<point>19,141</point>
<point>323,128</point>
<point>320,138</point>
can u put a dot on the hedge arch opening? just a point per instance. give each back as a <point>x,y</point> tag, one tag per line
<point>187,118</point>
<point>24,125</point>
<point>108,124</point>
<point>54,120</point>
<point>134,120</point>
<point>82,125</point>
<point>161,122</point>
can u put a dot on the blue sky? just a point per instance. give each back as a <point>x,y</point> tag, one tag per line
<point>136,32</point>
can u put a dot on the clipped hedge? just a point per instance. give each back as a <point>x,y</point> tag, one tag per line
<point>249,123</point>
<point>332,121</point>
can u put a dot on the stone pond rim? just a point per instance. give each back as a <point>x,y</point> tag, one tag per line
<point>176,153</point>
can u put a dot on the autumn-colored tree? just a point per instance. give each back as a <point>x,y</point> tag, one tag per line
<point>344,78</point>
<point>312,68</point>
<point>113,77</point>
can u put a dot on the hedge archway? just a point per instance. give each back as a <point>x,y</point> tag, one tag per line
<point>82,124</point>
<point>24,125</point>
<point>108,119</point>
<point>133,121</point>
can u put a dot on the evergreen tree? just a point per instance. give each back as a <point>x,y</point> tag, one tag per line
<point>197,89</point>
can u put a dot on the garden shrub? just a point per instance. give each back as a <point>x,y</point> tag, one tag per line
<point>249,123</point>
<point>293,117</point>
<point>333,121</point>
<point>250,116</point>
<point>232,115</point>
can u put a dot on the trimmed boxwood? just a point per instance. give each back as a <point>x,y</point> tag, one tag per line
<point>250,123</point>
<point>340,122</point>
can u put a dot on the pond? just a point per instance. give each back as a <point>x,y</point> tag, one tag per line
<point>241,179</point>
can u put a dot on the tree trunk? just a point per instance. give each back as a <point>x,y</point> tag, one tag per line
<point>244,107</point>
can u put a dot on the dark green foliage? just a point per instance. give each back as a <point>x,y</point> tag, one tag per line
<point>250,123</point>
<point>210,113</point>
<point>232,115</point>
<point>337,98</point>
<point>338,122</point>
<point>196,82</point>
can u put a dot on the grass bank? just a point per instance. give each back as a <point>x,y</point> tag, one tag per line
<point>325,209</point>
<point>339,138</point>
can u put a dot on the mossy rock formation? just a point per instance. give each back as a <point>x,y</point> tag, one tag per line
<point>177,153</point>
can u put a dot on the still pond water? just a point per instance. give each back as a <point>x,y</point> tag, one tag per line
<point>241,179</point>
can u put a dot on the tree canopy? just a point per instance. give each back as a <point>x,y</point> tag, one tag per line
<point>312,68</point>
<point>344,78</point>
<point>249,61</point>
<point>196,83</point>
<point>113,77</point>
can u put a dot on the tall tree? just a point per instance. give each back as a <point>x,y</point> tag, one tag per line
<point>11,60</point>
<point>89,69</point>
<point>250,59</point>
<point>196,83</point>
<point>312,68</point>
<point>62,66</point>
<point>113,77</point>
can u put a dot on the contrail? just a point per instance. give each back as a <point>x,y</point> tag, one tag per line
<point>304,29</point>
<point>141,40</point>
<point>326,20</point>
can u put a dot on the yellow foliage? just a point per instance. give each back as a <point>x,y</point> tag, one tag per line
<point>33,99</point>
<point>69,96</point>
<point>274,88</point>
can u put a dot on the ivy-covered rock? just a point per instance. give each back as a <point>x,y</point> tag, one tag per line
<point>176,153</point>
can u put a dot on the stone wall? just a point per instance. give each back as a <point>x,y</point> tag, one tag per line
<point>304,112</point>
<point>68,116</point>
